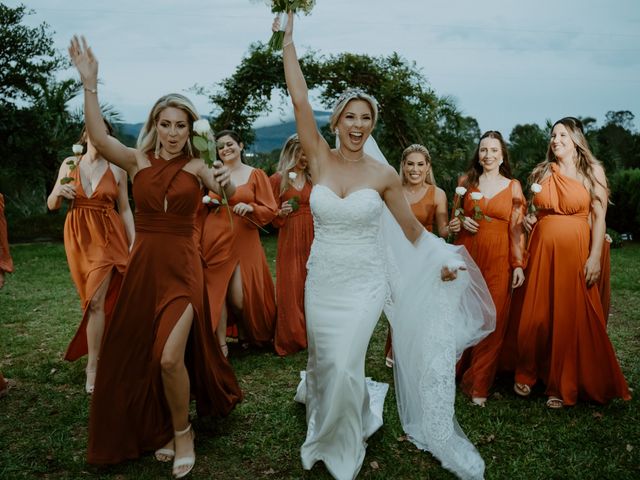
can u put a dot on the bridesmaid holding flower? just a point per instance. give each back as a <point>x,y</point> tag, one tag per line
<point>97,239</point>
<point>237,278</point>
<point>493,209</point>
<point>562,337</point>
<point>292,187</point>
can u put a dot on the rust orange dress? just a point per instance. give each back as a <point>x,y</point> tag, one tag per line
<point>129,413</point>
<point>96,244</point>
<point>497,248</point>
<point>425,211</point>
<point>225,245</point>
<point>6,262</point>
<point>604,284</point>
<point>562,337</point>
<point>294,244</point>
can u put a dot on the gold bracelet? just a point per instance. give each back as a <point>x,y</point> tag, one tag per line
<point>91,90</point>
<point>287,44</point>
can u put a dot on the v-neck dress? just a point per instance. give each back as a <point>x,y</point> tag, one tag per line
<point>95,242</point>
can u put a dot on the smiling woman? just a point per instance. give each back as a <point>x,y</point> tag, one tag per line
<point>159,350</point>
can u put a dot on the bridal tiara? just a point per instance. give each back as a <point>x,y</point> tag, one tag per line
<point>354,92</point>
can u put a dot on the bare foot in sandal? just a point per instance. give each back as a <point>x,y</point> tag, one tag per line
<point>522,389</point>
<point>555,403</point>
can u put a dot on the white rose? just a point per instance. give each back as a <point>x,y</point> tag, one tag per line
<point>201,127</point>
<point>77,149</point>
<point>460,191</point>
<point>293,176</point>
<point>536,187</point>
<point>206,199</point>
<point>476,195</point>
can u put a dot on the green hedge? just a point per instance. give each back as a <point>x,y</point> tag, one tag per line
<point>624,213</point>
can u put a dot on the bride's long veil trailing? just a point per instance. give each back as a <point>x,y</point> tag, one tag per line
<point>433,322</point>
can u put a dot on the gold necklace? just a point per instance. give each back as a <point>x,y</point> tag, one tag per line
<point>352,160</point>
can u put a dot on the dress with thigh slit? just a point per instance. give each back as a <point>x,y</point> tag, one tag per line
<point>227,243</point>
<point>129,412</point>
<point>96,245</point>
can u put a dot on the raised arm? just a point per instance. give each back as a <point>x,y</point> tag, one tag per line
<point>315,147</point>
<point>124,208</point>
<point>110,148</point>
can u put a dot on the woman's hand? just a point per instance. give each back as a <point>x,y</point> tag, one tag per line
<point>242,209</point>
<point>285,209</point>
<point>592,270</point>
<point>455,225</point>
<point>288,29</point>
<point>529,221</point>
<point>470,225</point>
<point>67,191</point>
<point>221,173</point>
<point>85,62</point>
<point>448,275</point>
<point>518,277</point>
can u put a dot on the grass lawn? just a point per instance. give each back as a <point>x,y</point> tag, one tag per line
<point>43,421</point>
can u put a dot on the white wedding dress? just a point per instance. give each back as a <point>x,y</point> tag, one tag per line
<point>353,275</point>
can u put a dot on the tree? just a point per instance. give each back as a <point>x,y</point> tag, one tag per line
<point>35,125</point>
<point>27,56</point>
<point>527,147</point>
<point>410,111</point>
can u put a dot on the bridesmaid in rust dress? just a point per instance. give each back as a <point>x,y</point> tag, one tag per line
<point>237,278</point>
<point>292,187</point>
<point>6,262</point>
<point>562,337</point>
<point>159,350</point>
<point>97,240</point>
<point>6,266</point>
<point>428,202</point>
<point>493,233</point>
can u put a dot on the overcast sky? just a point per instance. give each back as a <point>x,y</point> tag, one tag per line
<point>505,61</point>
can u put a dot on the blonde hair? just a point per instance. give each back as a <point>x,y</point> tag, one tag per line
<point>585,159</point>
<point>417,148</point>
<point>344,99</point>
<point>148,138</point>
<point>289,156</point>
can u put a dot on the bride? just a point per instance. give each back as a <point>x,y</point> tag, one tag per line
<point>369,254</point>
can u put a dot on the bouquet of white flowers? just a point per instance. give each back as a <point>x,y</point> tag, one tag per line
<point>282,7</point>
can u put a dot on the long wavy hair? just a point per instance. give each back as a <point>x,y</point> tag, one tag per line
<point>417,148</point>
<point>474,170</point>
<point>585,160</point>
<point>289,156</point>
<point>148,138</point>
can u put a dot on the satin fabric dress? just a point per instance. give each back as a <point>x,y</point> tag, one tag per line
<point>227,243</point>
<point>6,262</point>
<point>604,283</point>
<point>129,413</point>
<point>562,338</point>
<point>295,235</point>
<point>497,248</point>
<point>425,211</point>
<point>96,244</point>
<point>352,276</point>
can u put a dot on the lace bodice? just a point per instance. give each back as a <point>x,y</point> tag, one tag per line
<point>346,246</point>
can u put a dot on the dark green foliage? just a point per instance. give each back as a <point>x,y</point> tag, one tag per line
<point>624,213</point>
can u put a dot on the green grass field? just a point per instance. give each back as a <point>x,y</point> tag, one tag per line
<point>43,421</point>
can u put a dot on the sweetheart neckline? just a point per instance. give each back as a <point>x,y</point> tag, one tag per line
<point>350,193</point>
